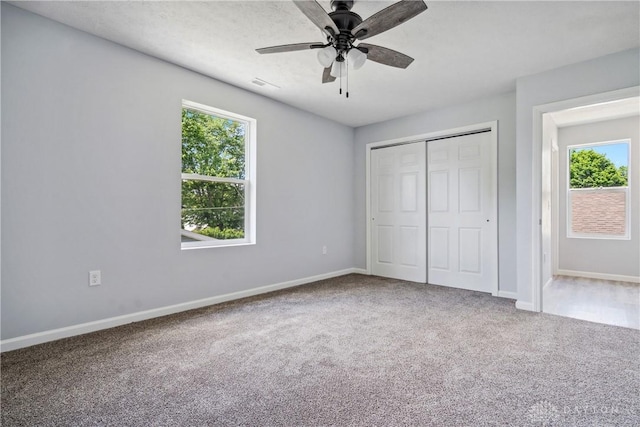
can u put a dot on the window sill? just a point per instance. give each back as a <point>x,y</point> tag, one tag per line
<point>209,246</point>
<point>599,237</point>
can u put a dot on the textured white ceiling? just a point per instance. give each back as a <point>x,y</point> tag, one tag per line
<point>462,50</point>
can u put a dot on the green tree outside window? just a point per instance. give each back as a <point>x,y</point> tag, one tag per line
<point>590,169</point>
<point>213,147</point>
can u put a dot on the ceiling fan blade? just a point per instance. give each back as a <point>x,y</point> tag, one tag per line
<point>386,56</point>
<point>388,18</point>
<point>326,76</point>
<point>289,47</point>
<point>317,15</point>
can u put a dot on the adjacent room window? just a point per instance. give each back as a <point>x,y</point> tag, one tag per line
<point>218,177</point>
<point>598,190</point>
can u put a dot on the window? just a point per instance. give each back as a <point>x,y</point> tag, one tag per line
<point>598,190</point>
<point>218,177</point>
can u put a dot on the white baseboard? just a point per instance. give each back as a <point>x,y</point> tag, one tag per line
<point>523,305</point>
<point>508,294</point>
<point>84,328</point>
<point>602,276</point>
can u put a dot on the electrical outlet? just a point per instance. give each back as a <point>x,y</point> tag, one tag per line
<point>324,250</point>
<point>94,278</point>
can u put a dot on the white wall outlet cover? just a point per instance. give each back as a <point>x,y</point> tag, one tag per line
<point>95,278</point>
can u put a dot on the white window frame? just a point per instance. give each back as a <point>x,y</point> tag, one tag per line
<point>249,182</point>
<point>626,190</point>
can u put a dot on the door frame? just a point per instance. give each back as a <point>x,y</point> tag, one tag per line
<point>538,181</point>
<point>491,126</point>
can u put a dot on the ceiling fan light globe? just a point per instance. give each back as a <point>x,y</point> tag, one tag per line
<point>339,69</point>
<point>356,58</point>
<point>326,56</point>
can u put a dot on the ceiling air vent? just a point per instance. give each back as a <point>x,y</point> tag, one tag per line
<point>264,84</point>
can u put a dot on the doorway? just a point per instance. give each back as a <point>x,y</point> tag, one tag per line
<point>589,240</point>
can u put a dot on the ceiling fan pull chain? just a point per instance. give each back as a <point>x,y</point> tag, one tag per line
<point>346,70</point>
<point>340,72</point>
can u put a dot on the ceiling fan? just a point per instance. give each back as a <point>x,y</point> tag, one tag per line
<point>343,27</point>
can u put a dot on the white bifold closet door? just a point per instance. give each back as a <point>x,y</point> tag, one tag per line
<point>398,212</point>
<point>462,218</point>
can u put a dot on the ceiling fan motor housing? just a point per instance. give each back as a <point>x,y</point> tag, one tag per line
<point>345,20</point>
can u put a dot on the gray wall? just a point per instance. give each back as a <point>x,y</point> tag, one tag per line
<point>620,257</point>
<point>501,108</point>
<point>91,180</point>
<point>608,73</point>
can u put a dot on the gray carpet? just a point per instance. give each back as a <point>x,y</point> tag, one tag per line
<point>355,350</point>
